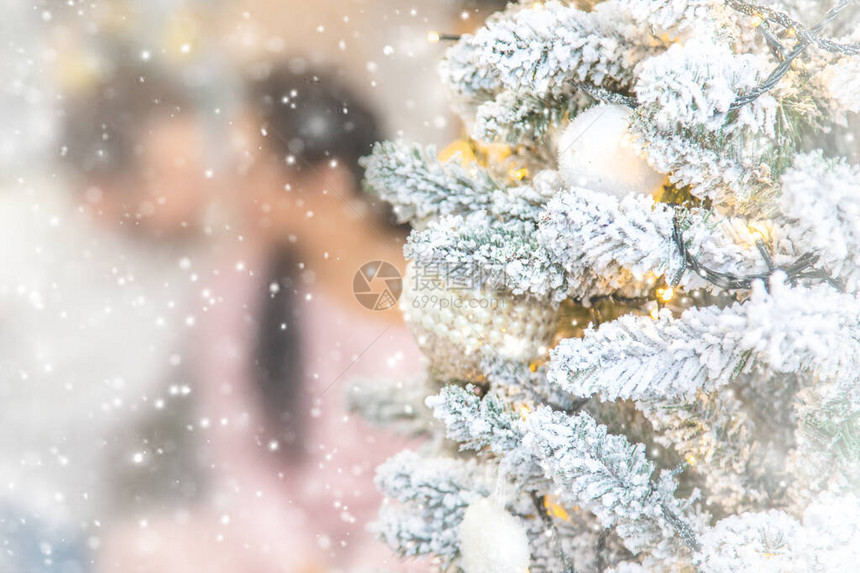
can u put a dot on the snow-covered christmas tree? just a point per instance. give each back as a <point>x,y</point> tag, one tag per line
<point>636,283</point>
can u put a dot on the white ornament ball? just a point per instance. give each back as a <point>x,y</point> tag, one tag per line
<point>452,323</point>
<point>596,151</point>
<point>492,540</point>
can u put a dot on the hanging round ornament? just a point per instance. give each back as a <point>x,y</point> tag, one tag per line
<point>454,321</point>
<point>492,540</point>
<point>596,151</point>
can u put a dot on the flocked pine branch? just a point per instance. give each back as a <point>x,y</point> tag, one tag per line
<point>473,422</point>
<point>505,255</point>
<point>536,49</point>
<point>514,118</point>
<point>554,44</point>
<point>396,404</point>
<point>589,243</point>
<point>840,80</point>
<point>432,494</point>
<point>604,245</point>
<point>491,425</point>
<point>774,541</point>
<point>422,187</point>
<point>820,201</point>
<point>587,466</point>
<point>526,383</point>
<point>716,436</point>
<point>827,451</point>
<point>607,245</point>
<point>688,128</point>
<point>693,85</point>
<point>419,186</point>
<point>563,53</point>
<point>812,329</point>
<point>610,477</point>
<point>485,424</point>
<point>462,76</point>
<point>581,543</point>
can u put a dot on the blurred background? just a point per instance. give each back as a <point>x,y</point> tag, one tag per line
<point>181,221</point>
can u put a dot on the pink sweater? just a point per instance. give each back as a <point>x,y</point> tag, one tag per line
<point>316,512</point>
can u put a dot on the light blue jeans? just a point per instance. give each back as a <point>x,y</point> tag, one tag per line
<point>28,545</point>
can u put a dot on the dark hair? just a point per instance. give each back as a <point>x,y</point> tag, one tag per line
<point>279,369</point>
<point>312,116</point>
<point>104,123</point>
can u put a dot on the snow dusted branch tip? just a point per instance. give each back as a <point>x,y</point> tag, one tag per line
<point>584,463</point>
<point>774,541</point>
<point>820,202</point>
<point>432,494</point>
<point>611,477</point>
<point>420,187</point>
<point>789,329</point>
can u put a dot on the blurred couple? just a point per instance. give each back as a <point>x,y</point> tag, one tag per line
<point>263,470</point>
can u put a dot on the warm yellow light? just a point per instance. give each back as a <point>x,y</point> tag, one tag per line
<point>494,152</point>
<point>691,459</point>
<point>537,6</point>
<point>655,313</point>
<point>666,294</point>
<point>758,229</point>
<point>553,509</point>
<point>756,21</point>
<point>523,410</point>
<point>518,174</point>
<point>459,148</point>
<point>433,37</point>
<point>791,32</point>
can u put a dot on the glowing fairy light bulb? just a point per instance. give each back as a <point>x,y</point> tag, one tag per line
<point>666,294</point>
<point>759,230</point>
<point>518,174</point>
<point>757,21</point>
<point>433,37</point>
<point>553,509</point>
<point>523,410</point>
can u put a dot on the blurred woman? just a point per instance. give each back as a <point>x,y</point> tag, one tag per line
<point>280,335</point>
<point>304,133</point>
